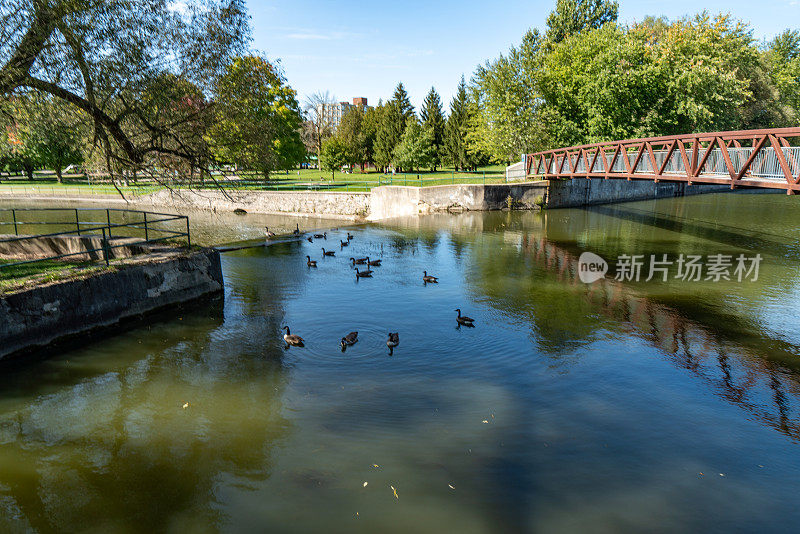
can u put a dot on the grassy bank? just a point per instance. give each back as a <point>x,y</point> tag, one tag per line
<point>297,179</point>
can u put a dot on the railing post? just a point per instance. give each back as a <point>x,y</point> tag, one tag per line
<point>188,235</point>
<point>146,237</point>
<point>77,222</point>
<point>108,220</point>
<point>14,216</point>
<point>104,246</point>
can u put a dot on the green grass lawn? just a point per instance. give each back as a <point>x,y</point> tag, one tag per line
<point>15,276</point>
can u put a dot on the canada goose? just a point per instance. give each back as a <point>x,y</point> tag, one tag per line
<point>323,235</point>
<point>374,263</point>
<point>296,229</point>
<point>349,339</point>
<point>429,279</point>
<point>310,262</point>
<point>344,243</point>
<point>359,261</point>
<point>309,239</point>
<point>268,233</point>
<point>463,319</point>
<point>363,274</point>
<point>394,340</point>
<point>328,253</point>
<point>292,339</point>
<point>349,236</point>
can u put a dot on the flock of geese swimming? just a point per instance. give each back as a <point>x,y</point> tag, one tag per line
<point>352,338</point>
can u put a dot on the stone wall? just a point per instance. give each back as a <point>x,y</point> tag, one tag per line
<point>34,318</point>
<point>329,204</point>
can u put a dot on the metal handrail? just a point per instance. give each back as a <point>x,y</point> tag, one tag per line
<point>106,229</point>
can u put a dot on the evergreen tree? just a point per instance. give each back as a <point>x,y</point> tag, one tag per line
<point>401,100</point>
<point>456,129</point>
<point>433,119</point>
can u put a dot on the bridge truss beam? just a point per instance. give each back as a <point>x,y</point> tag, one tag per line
<point>744,158</point>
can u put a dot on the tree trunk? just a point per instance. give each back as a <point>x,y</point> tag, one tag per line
<point>29,172</point>
<point>58,174</point>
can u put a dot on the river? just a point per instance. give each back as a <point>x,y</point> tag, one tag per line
<point>615,406</point>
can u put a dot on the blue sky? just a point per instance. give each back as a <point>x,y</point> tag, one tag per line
<point>360,48</point>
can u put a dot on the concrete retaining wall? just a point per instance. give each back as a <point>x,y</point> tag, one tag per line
<point>400,201</point>
<point>330,204</point>
<point>40,247</point>
<point>583,192</point>
<point>36,317</point>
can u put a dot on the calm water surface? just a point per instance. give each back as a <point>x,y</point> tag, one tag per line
<point>620,406</point>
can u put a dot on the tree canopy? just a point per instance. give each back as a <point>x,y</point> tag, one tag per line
<point>257,118</point>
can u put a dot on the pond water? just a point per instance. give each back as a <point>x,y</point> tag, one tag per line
<point>570,407</point>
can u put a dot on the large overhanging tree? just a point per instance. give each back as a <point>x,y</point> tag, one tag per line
<point>140,69</point>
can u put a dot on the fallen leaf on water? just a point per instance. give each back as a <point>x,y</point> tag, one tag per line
<point>376,466</point>
<point>395,492</point>
<point>451,486</point>
<point>722,474</point>
<point>185,405</point>
<point>365,484</point>
<point>485,422</point>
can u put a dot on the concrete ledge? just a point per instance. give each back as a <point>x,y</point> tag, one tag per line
<point>77,246</point>
<point>33,318</point>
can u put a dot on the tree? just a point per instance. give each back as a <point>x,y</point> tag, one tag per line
<point>390,130</point>
<point>506,121</point>
<point>401,100</point>
<point>257,118</point>
<point>55,130</point>
<point>319,121</point>
<point>102,58</point>
<point>334,155</point>
<point>433,119</point>
<point>416,148</point>
<point>575,16</point>
<point>351,133</point>
<point>456,129</point>
<point>783,60</point>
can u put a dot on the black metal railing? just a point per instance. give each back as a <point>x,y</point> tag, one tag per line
<point>149,227</point>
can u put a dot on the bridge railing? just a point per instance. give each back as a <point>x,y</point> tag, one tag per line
<point>720,158</point>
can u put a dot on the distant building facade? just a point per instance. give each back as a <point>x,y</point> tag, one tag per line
<point>336,111</point>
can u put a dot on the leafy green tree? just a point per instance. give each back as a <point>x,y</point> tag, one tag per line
<point>575,16</point>
<point>433,119</point>
<point>102,58</point>
<point>783,60</point>
<point>257,118</point>
<point>456,129</point>
<point>369,128</point>
<point>416,149</point>
<point>506,121</point>
<point>334,154</point>
<point>351,133</point>
<point>390,130</point>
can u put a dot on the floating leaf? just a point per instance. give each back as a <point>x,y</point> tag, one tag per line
<point>395,492</point>
<point>451,486</point>
<point>365,484</point>
<point>185,405</point>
